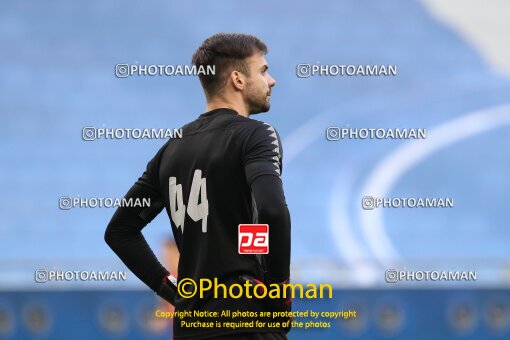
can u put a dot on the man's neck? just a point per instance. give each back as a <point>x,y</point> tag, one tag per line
<point>218,104</point>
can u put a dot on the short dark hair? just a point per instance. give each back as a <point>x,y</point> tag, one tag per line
<point>227,52</point>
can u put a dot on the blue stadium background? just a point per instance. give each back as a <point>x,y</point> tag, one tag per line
<point>57,76</point>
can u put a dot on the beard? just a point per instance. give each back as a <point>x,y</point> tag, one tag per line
<point>258,102</point>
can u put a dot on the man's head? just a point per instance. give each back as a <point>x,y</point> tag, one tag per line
<point>240,70</point>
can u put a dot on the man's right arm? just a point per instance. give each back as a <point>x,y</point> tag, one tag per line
<point>262,164</point>
<point>267,191</point>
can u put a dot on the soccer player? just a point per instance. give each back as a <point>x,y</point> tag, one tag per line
<point>224,171</point>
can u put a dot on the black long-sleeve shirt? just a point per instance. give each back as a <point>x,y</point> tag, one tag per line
<point>223,172</point>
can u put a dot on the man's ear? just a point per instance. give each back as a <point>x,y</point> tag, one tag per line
<point>238,80</point>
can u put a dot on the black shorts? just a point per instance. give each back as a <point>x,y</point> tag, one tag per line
<point>253,336</point>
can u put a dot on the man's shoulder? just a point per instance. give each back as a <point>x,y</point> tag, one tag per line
<point>253,126</point>
<point>259,123</point>
<point>241,127</point>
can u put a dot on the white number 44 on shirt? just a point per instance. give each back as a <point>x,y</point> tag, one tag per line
<point>195,210</point>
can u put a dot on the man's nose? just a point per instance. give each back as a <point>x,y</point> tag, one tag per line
<point>272,82</point>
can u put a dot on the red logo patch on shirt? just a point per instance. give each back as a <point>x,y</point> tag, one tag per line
<point>253,239</point>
